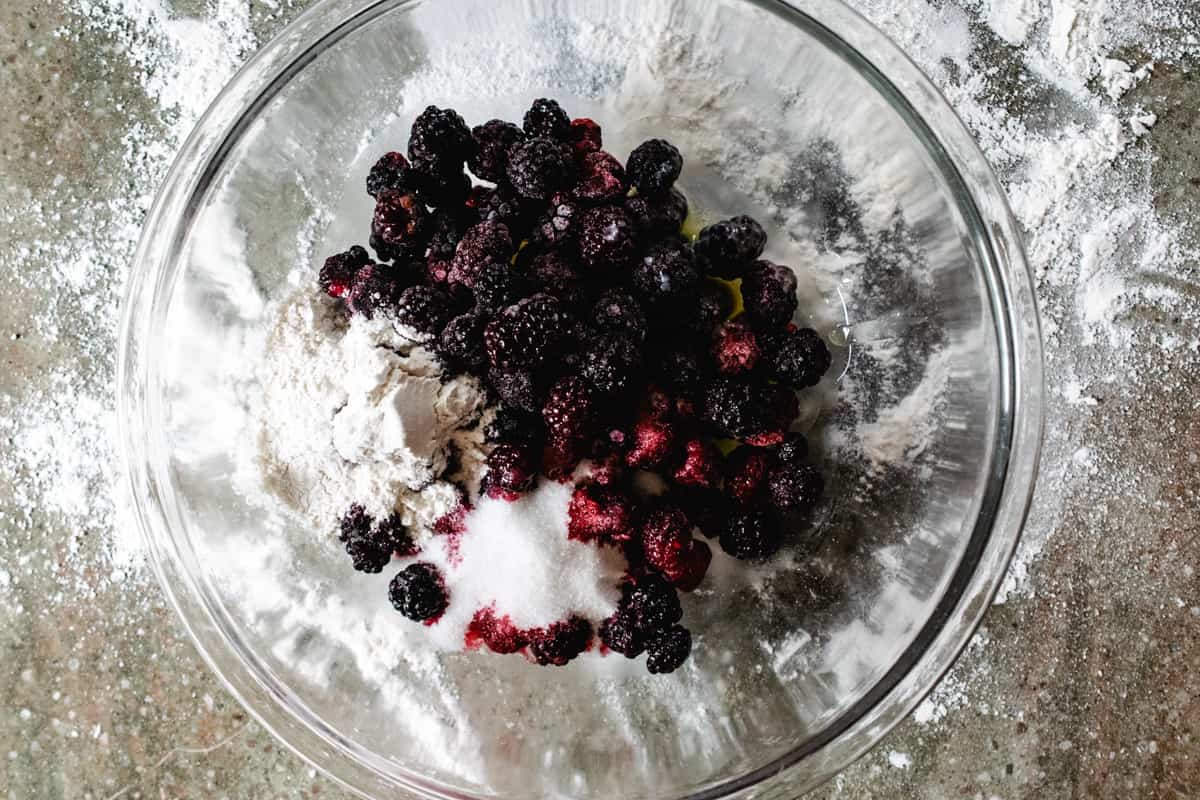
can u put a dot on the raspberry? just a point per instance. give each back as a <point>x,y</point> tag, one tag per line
<point>667,651</point>
<point>667,542</point>
<point>367,552</point>
<point>585,136</point>
<point>338,271</point>
<point>619,635</point>
<point>559,227</point>
<point>746,471</point>
<point>461,342</point>
<point>561,642</point>
<point>568,410</point>
<point>526,335</point>
<point>546,118</point>
<point>492,141</point>
<point>735,348</point>
<point>757,412</point>
<point>726,249</point>
<point>424,309</point>
<point>514,426</point>
<point>503,205</point>
<point>800,358</point>
<point>498,633</point>
<point>653,440</point>
<point>769,294</point>
<point>601,178</point>
<point>512,468</point>
<point>658,215</point>
<point>418,593</point>
<point>650,604</point>
<point>619,312</point>
<point>653,166</point>
<point>611,362</point>
<point>445,231</point>
<point>793,450</point>
<point>517,388</point>
<point>439,135</point>
<point>374,289</point>
<point>390,173</point>
<point>599,513</point>
<point>666,276</point>
<point>539,167</point>
<point>607,239</point>
<point>751,534</point>
<point>483,244</point>
<point>701,464</point>
<point>796,487</point>
<point>400,224</point>
<point>497,286</point>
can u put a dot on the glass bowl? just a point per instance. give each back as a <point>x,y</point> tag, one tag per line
<point>928,426</point>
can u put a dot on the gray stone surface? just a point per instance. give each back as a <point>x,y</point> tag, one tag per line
<point>1084,685</point>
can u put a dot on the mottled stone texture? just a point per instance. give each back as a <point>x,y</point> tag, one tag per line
<point>1084,684</point>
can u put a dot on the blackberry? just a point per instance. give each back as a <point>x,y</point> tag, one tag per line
<point>561,642</point>
<point>374,289</point>
<point>667,651</point>
<point>539,167</point>
<point>667,543</point>
<point>796,488</point>
<point>424,309</point>
<point>498,633</point>
<point>367,552</point>
<point>769,294</point>
<point>751,534</point>
<point>559,227</point>
<point>546,118</point>
<point>620,636</point>
<point>666,275</point>
<point>439,136</point>
<point>651,604</point>
<point>792,450</point>
<point>445,231</point>
<point>492,141</point>
<point>568,410</point>
<point>585,136</point>
<point>338,271</point>
<point>707,508</point>
<point>681,368</point>
<point>554,275</point>
<point>391,173</point>
<point>601,178</point>
<point>746,471</point>
<point>515,426</point>
<point>611,362</point>
<point>601,513</point>
<point>526,335</point>
<point>517,388</point>
<point>440,184</point>
<point>735,348</point>
<point>461,342</point>
<point>401,224</point>
<point>654,437</point>
<point>607,239</point>
<point>497,286</point>
<point>653,166</point>
<point>800,358</point>
<point>658,215</point>
<point>701,465</point>
<point>501,204</point>
<point>727,249</point>
<point>712,307</point>
<point>482,244</point>
<point>751,410</point>
<point>418,593</point>
<point>619,312</point>
<point>511,467</point>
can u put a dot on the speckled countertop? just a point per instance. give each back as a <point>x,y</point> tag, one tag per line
<point>1085,682</point>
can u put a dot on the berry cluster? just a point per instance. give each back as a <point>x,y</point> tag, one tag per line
<point>604,335</point>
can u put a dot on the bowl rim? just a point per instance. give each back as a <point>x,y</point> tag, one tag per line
<point>966,598</point>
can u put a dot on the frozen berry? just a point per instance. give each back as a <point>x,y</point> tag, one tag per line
<point>607,239</point>
<point>498,286</point>
<point>620,635</point>
<point>746,471</point>
<point>461,342</point>
<point>512,467</point>
<point>553,274</point>
<point>667,651</point>
<point>769,294</point>
<point>751,534</point>
<point>654,438</point>
<point>727,249</point>
<point>526,335</point>
<point>679,368</point>
<point>338,271</point>
<point>795,487</point>
<point>518,388</point>
<point>498,633</point>
<point>707,508</point>
<point>391,172</point>
<point>503,205</point>
<point>560,457</point>
<point>515,426</point>
<point>666,535</point>
<point>561,642</point>
<point>599,512</point>
<point>792,450</point>
<point>618,311</point>
<point>558,227</point>
<point>395,535</point>
<point>756,412</point>
<point>653,166</point>
<point>445,231</point>
<point>424,309</point>
<point>539,167</point>
<point>440,184</point>
<point>735,348</point>
<point>650,604</point>
<point>483,244</point>
<point>799,358</point>
<point>568,411</point>
<point>610,362</point>
<point>373,289</point>
<point>658,215</point>
<point>601,178</point>
<point>701,464</point>
<point>585,136</point>
<point>439,135</point>
<point>492,141</point>
<point>418,593</point>
<point>712,306</point>
<point>546,118</point>
<point>401,223</point>
<point>666,276</point>
<point>355,531</point>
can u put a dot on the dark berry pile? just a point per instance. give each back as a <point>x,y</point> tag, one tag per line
<point>605,336</point>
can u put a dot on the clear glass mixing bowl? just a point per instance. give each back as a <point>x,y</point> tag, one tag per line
<point>799,112</point>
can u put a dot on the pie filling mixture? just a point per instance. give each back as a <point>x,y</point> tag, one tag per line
<point>542,397</point>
